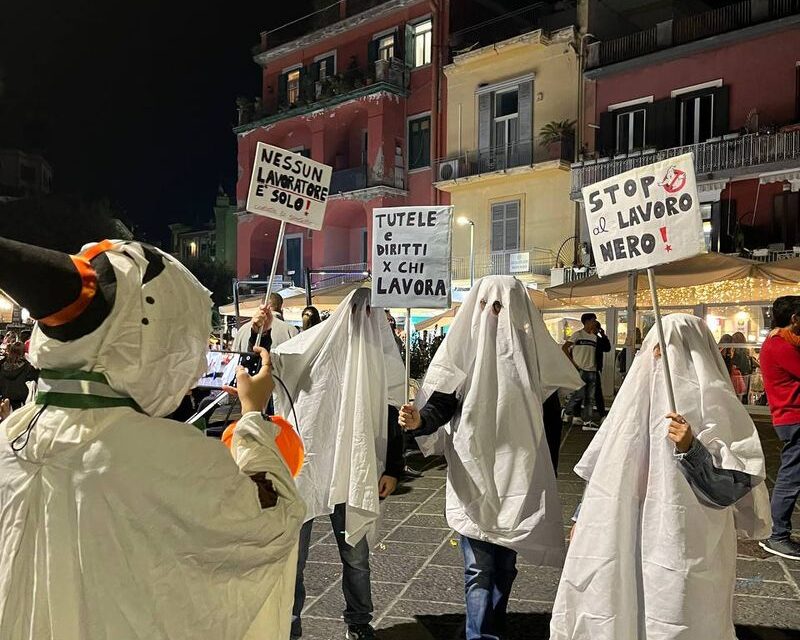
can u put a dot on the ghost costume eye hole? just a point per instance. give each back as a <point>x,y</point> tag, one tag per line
<point>496,306</point>
<point>483,304</point>
<point>354,310</point>
<point>369,311</point>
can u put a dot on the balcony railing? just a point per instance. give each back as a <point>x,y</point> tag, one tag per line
<point>383,75</point>
<point>534,261</point>
<point>729,154</point>
<point>357,178</point>
<point>678,31</point>
<point>327,16</point>
<point>519,154</point>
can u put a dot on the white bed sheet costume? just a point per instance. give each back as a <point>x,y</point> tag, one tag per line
<point>649,561</point>
<point>501,487</point>
<point>342,375</point>
<point>117,524</point>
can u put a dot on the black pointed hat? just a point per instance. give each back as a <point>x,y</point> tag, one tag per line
<point>70,296</point>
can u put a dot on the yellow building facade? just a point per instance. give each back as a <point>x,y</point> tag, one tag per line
<point>497,171</point>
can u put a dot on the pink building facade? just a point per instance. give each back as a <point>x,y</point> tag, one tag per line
<point>358,94</point>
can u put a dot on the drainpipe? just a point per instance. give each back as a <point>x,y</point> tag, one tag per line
<point>437,45</point>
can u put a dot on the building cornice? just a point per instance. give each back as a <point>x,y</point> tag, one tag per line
<point>459,184</point>
<point>370,193</point>
<point>537,37</point>
<point>316,37</point>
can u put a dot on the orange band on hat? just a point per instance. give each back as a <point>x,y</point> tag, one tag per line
<point>88,286</point>
<point>288,442</point>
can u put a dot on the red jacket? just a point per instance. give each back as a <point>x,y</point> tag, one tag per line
<point>780,368</point>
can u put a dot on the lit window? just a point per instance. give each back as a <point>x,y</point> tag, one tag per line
<point>326,67</point>
<point>423,42</point>
<point>293,86</point>
<point>386,47</point>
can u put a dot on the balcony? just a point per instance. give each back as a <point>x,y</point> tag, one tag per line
<point>317,21</point>
<point>478,162</point>
<point>728,157</point>
<point>358,178</point>
<point>678,31</point>
<point>354,82</point>
<point>520,262</point>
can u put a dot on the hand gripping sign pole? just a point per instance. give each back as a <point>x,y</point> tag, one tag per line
<point>643,218</point>
<point>651,276</point>
<point>408,353</point>
<point>278,247</point>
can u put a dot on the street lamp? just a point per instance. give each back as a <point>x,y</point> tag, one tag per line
<point>466,221</point>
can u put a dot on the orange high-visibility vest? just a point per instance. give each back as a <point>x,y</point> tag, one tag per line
<point>288,442</point>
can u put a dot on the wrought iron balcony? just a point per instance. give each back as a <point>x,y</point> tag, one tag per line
<point>678,31</point>
<point>518,262</point>
<point>524,153</point>
<point>723,158</point>
<point>357,178</point>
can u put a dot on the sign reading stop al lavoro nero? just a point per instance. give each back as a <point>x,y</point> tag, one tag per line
<point>645,217</point>
<point>288,186</point>
<point>411,249</point>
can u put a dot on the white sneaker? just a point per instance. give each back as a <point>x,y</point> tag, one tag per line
<point>591,426</point>
<point>577,421</point>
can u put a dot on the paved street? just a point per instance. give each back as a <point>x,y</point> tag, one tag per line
<point>417,574</point>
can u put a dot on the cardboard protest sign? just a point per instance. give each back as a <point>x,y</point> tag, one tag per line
<point>288,187</point>
<point>645,217</point>
<point>411,249</point>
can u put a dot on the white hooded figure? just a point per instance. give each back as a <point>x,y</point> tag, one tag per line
<point>342,375</point>
<point>489,379</point>
<point>345,381</point>
<point>654,551</point>
<point>117,523</point>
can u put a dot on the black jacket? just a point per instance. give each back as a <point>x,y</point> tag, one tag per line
<point>12,382</point>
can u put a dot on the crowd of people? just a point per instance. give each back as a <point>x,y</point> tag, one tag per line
<point>118,522</point>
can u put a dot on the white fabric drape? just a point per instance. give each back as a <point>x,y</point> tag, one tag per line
<point>342,374</point>
<point>649,560</point>
<point>500,481</point>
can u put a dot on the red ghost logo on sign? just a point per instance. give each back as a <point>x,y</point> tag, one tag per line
<point>674,180</point>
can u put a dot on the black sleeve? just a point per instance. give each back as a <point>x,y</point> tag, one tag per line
<point>603,344</point>
<point>713,486</point>
<point>395,463</point>
<point>439,410</point>
<point>266,340</point>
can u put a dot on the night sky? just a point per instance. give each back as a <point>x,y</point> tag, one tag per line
<point>133,101</point>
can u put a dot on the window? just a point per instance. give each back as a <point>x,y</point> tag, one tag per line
<point>422,35</point>
<point>505,226</point>
<point>630,130</point>
<point>293,86</point>
<point>705,210</point>
<point>506,125</point>
<point>386,47</point>
<point>326,67</point>
<point>419,143</point>
<point>697,118</point>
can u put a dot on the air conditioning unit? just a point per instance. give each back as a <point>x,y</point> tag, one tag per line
<point>450,170</point>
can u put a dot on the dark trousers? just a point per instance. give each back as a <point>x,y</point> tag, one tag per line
<point>583,396</point>
<point>599,400</point>
<point>355,575</point>
<point>787,482</point>
<point>489,572</point>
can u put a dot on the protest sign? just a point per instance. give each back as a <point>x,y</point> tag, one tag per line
<point>645,217</point>
<point>288,187</point>
<point>411,248</point>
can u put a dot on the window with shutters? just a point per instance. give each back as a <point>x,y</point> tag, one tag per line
<point>697,118</point>
<point>631,127</point>
<point>326,66</point>
<point>505,226</point>
<point>422,43</point>
<point>293,86</point>
<point>386,47</point>
<point>419,143</point>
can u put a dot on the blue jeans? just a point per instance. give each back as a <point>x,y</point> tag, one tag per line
<point>355,575</point>
<point>583,395</point>
<point>489,572</point>
<point>787,482</point>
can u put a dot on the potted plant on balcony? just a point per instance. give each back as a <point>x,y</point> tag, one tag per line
<point>558,138</point>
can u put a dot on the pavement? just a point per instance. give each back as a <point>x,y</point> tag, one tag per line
<point>417,570</point>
